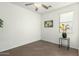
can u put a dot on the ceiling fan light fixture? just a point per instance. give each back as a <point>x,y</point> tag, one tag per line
<point>37,5</point>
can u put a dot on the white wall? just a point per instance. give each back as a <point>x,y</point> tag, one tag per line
<point>52,34</point>
<point>21,26</point>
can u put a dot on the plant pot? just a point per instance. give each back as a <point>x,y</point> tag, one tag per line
<point>64,35</point>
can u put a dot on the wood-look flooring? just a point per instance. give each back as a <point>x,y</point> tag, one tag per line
<point>40,48</point>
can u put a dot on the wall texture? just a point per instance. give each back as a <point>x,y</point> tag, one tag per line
<point>52,34</point>
<point>21,26</point>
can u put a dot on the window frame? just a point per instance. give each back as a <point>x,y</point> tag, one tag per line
<point>66,21</point>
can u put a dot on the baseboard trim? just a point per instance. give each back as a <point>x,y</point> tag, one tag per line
<point>58,44</point>
<point>36,41</point>
<point>19,46</point>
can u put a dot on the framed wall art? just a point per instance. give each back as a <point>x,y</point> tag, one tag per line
<point>48,23</point>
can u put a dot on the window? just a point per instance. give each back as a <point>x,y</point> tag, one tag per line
<point>66,22</point>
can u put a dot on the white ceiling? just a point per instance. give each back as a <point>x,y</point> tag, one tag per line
<point>55,5</point>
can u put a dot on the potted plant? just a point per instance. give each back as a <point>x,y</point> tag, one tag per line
<point>64,29</point>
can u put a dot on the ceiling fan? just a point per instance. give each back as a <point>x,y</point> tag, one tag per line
<point>37,6</point>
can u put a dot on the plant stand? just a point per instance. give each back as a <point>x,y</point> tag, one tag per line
<point>68,42</point>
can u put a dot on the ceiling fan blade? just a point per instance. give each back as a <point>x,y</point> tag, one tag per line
<point>49,6</point>
<point>36,9</point>
<point>46,7</point>
<point>29,4</point>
